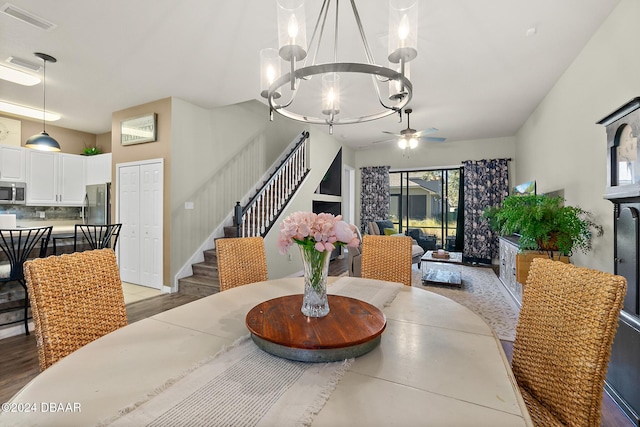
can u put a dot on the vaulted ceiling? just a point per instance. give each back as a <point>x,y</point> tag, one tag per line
<point>482,66</point>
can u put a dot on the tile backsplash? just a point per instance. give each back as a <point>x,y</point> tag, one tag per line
<point>51,213</point>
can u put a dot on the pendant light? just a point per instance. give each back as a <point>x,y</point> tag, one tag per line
<point>43,141</point>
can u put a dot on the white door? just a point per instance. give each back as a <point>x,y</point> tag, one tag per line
<point>129,217</point>
<point>151,225</point>
<point>140,201</point>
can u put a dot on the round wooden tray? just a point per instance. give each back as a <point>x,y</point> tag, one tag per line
<point>351,329</point>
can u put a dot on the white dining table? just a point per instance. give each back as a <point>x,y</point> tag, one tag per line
<point>437,364</point>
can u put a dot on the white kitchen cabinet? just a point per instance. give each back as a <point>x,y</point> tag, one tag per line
<point>12,163</point>
<point>55,179</point>
<point>71,187</point>
<point>98,169</point>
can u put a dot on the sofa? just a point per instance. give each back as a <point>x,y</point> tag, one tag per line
<point>354,258</point>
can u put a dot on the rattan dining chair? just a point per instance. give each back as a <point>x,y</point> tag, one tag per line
<point>563,341</point>
<point>387,258</point>
<point>75,299</point>
<point>98,236</point>
<point>241,260</point>
<point>18,245</point>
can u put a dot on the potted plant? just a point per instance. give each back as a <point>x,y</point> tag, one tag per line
<point>91,151</point>
<point>544,223</point>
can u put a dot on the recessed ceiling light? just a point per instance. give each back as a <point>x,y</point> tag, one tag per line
<point>23,63</point>
<point>17,76</point>
<point>27,17</point>
<point>21,110</point>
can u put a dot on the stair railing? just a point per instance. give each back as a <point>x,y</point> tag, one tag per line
<point>260,213</point>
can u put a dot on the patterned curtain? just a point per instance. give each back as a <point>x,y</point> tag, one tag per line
<point>486,183</point>
<point>374,195</point>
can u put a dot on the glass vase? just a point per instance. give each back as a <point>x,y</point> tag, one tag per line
<point>316,269</point>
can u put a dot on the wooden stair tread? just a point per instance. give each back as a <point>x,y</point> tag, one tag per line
<point>201,280</point>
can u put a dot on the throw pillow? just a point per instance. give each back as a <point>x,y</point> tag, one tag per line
<point>373,229</point>
<point>389,231</point>
<point>384,224</point>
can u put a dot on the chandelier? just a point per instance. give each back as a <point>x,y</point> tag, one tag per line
<point>323,83</point>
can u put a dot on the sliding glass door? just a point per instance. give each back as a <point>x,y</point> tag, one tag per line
<point>428,201</point>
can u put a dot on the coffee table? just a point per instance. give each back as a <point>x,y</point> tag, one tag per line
<point>445,271</point>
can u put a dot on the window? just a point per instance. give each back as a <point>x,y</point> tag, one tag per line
<point>427,200</point>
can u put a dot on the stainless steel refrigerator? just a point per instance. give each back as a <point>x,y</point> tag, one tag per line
<point>97,204</point>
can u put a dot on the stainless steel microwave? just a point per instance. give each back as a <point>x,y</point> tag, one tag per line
<point>14,193</point>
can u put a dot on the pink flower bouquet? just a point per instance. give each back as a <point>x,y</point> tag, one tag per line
<point>316,235</point>
<point>322,231</point>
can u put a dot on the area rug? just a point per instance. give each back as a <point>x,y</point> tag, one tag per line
<point>483,293</point>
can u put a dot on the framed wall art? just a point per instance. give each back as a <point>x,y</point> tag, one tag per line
<point>10,131</point>
<point>139,129</point>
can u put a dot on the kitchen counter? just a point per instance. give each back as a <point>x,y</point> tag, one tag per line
<point>62,234</point>
<point>59,227</point>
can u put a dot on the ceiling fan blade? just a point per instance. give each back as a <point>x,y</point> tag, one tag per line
<point>425,132</point>
<point>391,133</point>
<point>433,139</point>
<point>384,141</point>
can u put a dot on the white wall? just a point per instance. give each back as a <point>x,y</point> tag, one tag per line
<point>323,149</point>
<point>562,147</point>
<point>206,143</point>
<point>203,141</point>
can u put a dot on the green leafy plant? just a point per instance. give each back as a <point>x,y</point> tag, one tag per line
<point>91,151</point>
<point>544,223</point>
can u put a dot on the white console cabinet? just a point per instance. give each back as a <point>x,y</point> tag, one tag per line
<point>514,265</point>
<point>55,179</point>
<point>508,259</point>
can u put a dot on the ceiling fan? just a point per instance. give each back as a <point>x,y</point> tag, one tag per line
<point>409,137</point>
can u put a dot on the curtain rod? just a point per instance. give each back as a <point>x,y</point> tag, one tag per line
<point>507,159</point>
<point>431,168</point>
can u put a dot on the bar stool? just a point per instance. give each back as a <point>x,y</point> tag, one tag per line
<point>97,236</point>
<point>60,236</point>
<point>17,244</point>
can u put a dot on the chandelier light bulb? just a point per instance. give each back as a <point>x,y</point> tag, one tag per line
<point>403,37</point>
<point>413,143</point>
<point>402,143</point>
<point>271,74</point>
<point>331,94</point>
<point>292,29</point>
<point>269,71</point>
<point>403,29</point>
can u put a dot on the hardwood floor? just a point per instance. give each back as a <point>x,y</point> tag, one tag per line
<point>19,361</point>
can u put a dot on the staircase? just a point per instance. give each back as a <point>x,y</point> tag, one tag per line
<point>254,219</point>
<point>204,280</point>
